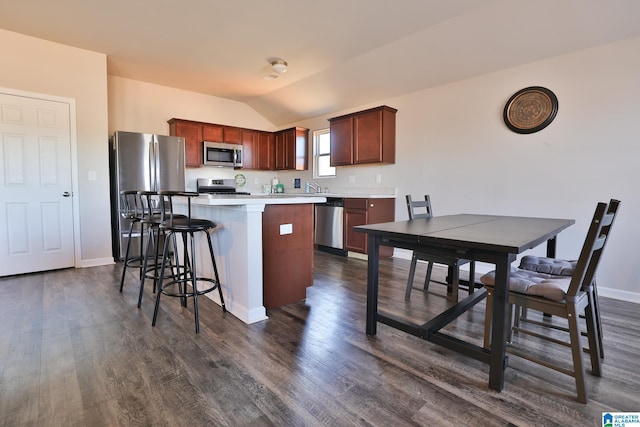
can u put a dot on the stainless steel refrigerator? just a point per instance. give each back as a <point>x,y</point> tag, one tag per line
<point>141,161</point>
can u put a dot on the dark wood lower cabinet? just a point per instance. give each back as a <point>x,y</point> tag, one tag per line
<point>366,211</point>
<point>287,258</point>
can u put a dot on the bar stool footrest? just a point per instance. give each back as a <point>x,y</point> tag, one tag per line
<point>164,291</point>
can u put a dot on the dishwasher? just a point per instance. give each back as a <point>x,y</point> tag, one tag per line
<point>329,226</point>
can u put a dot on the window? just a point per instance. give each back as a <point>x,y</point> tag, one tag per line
<point>322,154</point>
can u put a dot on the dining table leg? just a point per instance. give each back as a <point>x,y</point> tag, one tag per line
<point>373,252</point>
<point>500,322</point>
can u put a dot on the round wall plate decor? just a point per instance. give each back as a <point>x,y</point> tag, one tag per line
<point>530,109</point>
<point>241,180</point>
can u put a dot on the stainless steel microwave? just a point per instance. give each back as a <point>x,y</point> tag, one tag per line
<point>222,154</point>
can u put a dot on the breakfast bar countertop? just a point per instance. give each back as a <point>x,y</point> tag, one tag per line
<point>279,199</point>
<point>257,199</point>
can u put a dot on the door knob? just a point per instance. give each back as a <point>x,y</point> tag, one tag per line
<point>66,194</point>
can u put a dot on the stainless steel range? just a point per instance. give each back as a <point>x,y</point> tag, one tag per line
<point>218,186</point>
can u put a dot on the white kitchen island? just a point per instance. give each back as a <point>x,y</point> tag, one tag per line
<point>238,245</point>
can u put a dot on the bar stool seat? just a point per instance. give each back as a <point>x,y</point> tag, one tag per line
<point>187,272</point>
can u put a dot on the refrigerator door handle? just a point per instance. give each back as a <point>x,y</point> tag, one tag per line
<point>153,165</point>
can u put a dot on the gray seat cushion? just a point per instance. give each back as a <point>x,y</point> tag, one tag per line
<point>557,267</point>
<point>528,282</point>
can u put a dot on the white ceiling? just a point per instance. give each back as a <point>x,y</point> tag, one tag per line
<point>341,53</point>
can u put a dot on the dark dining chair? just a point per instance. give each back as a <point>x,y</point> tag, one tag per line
<point>565,297</point>
<point>420,209</point>
<point>558,267</point>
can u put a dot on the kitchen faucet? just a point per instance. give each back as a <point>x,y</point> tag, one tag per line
<point>315,187</point>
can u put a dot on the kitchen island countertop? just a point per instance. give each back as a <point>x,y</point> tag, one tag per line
<point>257,199</point>
<point>238,243</point>
<point>340,195</point>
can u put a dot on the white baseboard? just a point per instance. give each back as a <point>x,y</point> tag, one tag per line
<point>619,295</point>
<point>95,262</point>
<point>357,255</point>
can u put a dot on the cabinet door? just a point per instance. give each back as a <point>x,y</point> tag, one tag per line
<point>366,211</point>
<point>367,137</point>
<point>249,149</point>
<point>232,135</point>
<point>213,133</point>
<point>266,151</point>
<point>364,137</point>
<point>290,149</point>
<point>192,134</point>
<point>341,130</point>
<point>301,148</point>
<point>375,136</point>
<point>280,157</point>
<point>354,241</point>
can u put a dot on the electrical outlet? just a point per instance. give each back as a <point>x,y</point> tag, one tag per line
<point>378,178</point>
<point>352,179</point>
<point>286,229</point>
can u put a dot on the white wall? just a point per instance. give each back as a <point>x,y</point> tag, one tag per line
<point>453,144</point>
<point>38,66</point>
<point>144,107</point>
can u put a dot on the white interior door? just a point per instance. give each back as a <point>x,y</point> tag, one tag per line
<point>36,207</point>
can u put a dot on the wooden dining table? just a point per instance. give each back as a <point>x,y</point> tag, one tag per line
<point>492,239</point>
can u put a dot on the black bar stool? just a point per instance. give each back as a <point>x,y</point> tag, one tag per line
<point>131,209</point>
<point>187,275</point>
<point>151,218</point>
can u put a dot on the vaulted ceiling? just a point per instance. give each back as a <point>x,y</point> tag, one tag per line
<point>340,53</point>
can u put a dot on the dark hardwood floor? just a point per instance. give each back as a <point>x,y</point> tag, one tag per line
<point>76,352</point>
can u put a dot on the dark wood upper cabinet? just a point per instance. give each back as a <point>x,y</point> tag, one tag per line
<point>301,149</point>
<point>367,136</point>
<point>266,151</point>
<point>279,151</point>
<point>283,150</point>
<point>249,149</point>
<point>212,133</point>
<point>232,135</point>
<point>192,134</point>
<point>291,149</point>
<point>221,133</point>
<point>341,130</point>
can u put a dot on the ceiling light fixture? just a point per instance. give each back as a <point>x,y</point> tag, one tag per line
<point>279,66</point>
